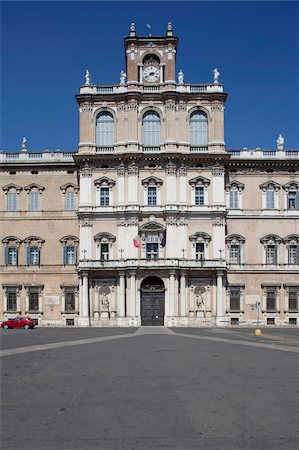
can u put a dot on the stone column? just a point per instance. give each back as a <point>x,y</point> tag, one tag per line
<point>121,295</point>
<point>171,294</point>
<point>131,306</point>
<point>183,293</point>
<point>219,300</point>
<point>84,313</point>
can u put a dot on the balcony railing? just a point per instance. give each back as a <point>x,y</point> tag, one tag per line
<point>263,154</point>
<point>120,89</point>
<point>44,156</point>
<point>152,263</point>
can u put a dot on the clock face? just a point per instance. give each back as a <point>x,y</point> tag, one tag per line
<point>151,74</point>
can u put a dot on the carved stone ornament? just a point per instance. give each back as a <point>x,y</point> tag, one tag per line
<point>181,107</point>
<point>132,106</point>
<point>133,169</point>
<point>121,170</point>
<point>218,171</point>
<point>86,222</point>
<point>121,221</point>
<point>170,169</point>
<point>218,221</point>
<point>217,108</point>
<point>85,107</point>
<point>85,171</point>
<point>170,105</point>
<point>171,220</point>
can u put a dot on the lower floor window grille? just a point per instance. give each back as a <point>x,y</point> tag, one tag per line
<point>11,301</point>
<point>70,322</point>
<point>271,300</point>
<point>293,300</point>
<point>70,301</point>
<point>234,321</point>
<point>292,321</point>
<point>235,300</point>
<point>33,301</point>
<point>270,321</point>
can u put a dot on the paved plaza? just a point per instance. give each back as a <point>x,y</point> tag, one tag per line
<point>149,388</point>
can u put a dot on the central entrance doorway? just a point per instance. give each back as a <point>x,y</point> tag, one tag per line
<point>152,302</point>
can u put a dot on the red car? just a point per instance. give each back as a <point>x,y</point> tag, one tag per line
<point>18,322</point>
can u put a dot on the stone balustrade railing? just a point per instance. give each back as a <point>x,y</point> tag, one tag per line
<point>263,153</point>
<point>45,156</point>
<point>153,263</point>
<point>120,89</point>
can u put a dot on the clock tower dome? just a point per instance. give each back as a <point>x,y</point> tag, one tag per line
<point>150,60</point>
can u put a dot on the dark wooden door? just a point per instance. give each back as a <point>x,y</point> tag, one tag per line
<point>152,308</point>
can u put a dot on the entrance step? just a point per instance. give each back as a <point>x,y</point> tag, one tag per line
<point>154,330</point>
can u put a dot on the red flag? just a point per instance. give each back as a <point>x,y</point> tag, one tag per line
<point>137,240</point>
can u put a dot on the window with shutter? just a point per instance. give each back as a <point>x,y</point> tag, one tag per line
<point>270,199</point>
<point>12,201</point>
<point>11,300</point>
<point>34,201</point>
<point>271,300</point>
<point>271,254</point>
<point>69,200</point>
<point>233,198</point>
<point>151,129</point>
<point>105,130</point>
<point>293,300</point>
<point>104,196</point>
<point>235,297</point>
<point>198,129</point>
<point>199,195</point>
<point>152,195</point>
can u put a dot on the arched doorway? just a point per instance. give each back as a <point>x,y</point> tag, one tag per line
<point>152,302</point>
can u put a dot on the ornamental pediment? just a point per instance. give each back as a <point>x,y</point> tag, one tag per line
<point>271,239</point>
<point>104,181</point>
<point>235,238</point>
<point>31,186</point>
<point>10,186</point>
<point>67,186</point>
<point>199,181</point>
<point>152,227</point>
<point>292,185</point>
<point>153,181</point>
<point>200,236</point>
<point>235,184</point>
<point>270,185</point>
<point>104,237</point>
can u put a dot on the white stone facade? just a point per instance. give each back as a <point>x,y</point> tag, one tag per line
<point>216,232</point>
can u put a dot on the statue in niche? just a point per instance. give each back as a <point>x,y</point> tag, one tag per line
<point>199,300</point>
<point>216,74</point>
<point>122,77</point>
<point>181,77</point>
<point>104,301</point>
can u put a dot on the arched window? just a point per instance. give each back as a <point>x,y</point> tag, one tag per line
<point>105,130</point>
<point>151,129</point>
<point>198,128</point>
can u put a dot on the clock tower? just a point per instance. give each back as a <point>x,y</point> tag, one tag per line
<point>150,60</point>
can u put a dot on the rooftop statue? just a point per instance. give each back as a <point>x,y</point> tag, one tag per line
<point>87,78</point>
<point>24,144</point>
<point>181,77</point>
<point>216,75</point>
<point>280,142</point>
<point>122,77</point>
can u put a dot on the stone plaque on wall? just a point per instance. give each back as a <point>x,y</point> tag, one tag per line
<point>52,300</point>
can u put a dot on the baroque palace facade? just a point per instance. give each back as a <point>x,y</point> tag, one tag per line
<point>152,221</point>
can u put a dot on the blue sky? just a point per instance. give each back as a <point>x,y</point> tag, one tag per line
<point>46,47</point>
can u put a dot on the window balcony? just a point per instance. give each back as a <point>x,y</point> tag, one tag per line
<point>199,149</point>
<point>158,263</point>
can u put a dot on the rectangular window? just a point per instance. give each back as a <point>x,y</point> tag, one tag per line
<point>33,259</point>
<point>270,321</point>
<point>270,199</point>
<point>12,256</point>
<point>199,250</point>
<point>70,322</point>
<point>293,252</point>
<point>70,255</point>
<point>69,200</point>
<point>33,301</point>
<point>199,195</point>
<point>235,297</point>
<point>12,201</point>
<point>152,251</point>
<point>11,301</point>
<point>271,300</point>
<point>104,196</point>
<point>292,321</point>
<point>234,199</point>
<point>292,200</point>
<point>293,300</point>
<point>104,251</point>
<point>152,195</point>
<point>70,301</point>
<point>271,254</point>
<point>235,254</point>
<point>234,321</point>
<point>34,201</point>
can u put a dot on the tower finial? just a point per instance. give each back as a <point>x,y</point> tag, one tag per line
<point>132,29</point>
<point>169,29</point>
